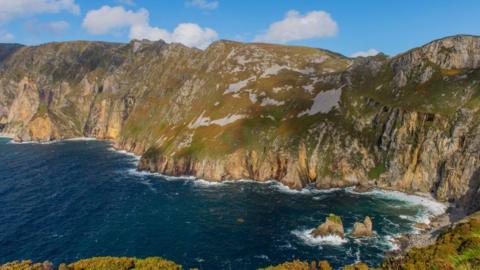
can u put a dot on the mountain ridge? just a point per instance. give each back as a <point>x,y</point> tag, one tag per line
<point>299,115</point>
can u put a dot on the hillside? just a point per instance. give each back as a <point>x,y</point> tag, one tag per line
<point>238,110</point>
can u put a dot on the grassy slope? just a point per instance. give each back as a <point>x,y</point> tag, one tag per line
<point>101,263</point>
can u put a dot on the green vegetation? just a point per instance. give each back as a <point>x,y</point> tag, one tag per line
<point>123,263</point>
<point>301,265</point>
<point>99,263</point>
<point>457,248</point>
<point>376,171</point>
<point>334,218</point>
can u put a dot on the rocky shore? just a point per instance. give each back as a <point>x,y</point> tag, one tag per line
<point>457,247</point>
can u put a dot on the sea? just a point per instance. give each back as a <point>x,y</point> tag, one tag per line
<point>68,200</point>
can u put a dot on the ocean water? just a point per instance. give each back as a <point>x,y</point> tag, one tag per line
<point>70,200</point>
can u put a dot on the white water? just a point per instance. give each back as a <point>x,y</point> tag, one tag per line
<point>309,239</point>
<point>430,207</point>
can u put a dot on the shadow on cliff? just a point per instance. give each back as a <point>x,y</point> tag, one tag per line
<point>468,203</point>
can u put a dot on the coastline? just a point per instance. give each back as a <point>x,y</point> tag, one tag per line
<point>437,221</point>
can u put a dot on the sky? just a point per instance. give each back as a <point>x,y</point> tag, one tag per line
<point>352,28</point>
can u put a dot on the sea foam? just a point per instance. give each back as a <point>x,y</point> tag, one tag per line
<point>310,240</point>
<point>205,183</point>
<point>432,207</point>
<point>305,191</point>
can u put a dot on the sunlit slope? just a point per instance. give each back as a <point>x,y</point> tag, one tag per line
<point>260,111</point>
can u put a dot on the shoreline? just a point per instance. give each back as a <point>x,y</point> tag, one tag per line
<point>419,237</point>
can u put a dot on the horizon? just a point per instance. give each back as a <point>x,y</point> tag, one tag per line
<point>350,29</point>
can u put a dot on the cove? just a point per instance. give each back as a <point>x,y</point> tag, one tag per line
<point>69,200</point>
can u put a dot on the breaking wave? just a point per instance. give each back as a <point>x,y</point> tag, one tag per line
<point>308,239</point>
<point>305,191</point>
<point>430,207</point>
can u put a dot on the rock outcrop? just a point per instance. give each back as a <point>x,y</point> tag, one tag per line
<point>298,115</point>
<point>332,226</point>
<point>457,247</point>
<point>364,229</point>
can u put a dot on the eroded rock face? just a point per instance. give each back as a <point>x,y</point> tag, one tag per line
<point>364,229</point>
<point>294,114</point>
<point>332,226</point>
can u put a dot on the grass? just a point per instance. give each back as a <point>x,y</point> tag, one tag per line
<point>456,248</point>
<point>376,171</point>
<point>334,218</point>
<point>100,263</point>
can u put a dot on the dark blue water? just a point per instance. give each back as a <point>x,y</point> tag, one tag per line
<point>70,200</point>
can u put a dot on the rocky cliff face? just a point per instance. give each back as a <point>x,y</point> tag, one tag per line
<point>295,114</point>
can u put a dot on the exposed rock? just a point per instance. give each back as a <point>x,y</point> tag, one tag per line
<point>47,265</point>
<point>364,229</point>
<point>332,226</point>
<point>408,122</point>
<point>456,247</point>
<point>422,226</point>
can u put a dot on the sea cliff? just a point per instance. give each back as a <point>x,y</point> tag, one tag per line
<point>302,116</point>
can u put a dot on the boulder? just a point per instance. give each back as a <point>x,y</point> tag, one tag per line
<point>364,229</point>
<point>422,226</point>
<point>333,226</point>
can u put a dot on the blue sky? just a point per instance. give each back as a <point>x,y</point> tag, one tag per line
<point>346,27</point>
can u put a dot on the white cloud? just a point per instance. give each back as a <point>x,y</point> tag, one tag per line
<point>189,34</point>
<point>108,19</point>
<point>295,27</point>
<point>202,4</point>
<point>369,52</point>
<point>10,9</point>
<point>6,36</point>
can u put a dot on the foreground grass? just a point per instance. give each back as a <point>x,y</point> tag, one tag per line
<point>99,263</point>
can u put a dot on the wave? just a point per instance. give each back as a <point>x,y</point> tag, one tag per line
<point>250,181</point>
<point>206,183</point>
<point>81,139</point>
<point>135,172</point>
<point>310,240</point>
<point>305,191</point>
<point>124,152</point>
<point>432,208</point>
<point>262,256</point>
<point>33,142</point>
<point>392,242</point>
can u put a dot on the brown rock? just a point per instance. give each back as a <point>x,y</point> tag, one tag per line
<point>47,265</point>
<point>357,266</point>
<point>332,226</point>
<point>324,265</point>
<point>422,226</point>
<point>363,229</point>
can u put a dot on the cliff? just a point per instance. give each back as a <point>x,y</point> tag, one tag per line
<point>260,111</point>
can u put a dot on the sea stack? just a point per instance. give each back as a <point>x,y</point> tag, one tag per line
<point>364,229</point>
<point>333,226</point>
